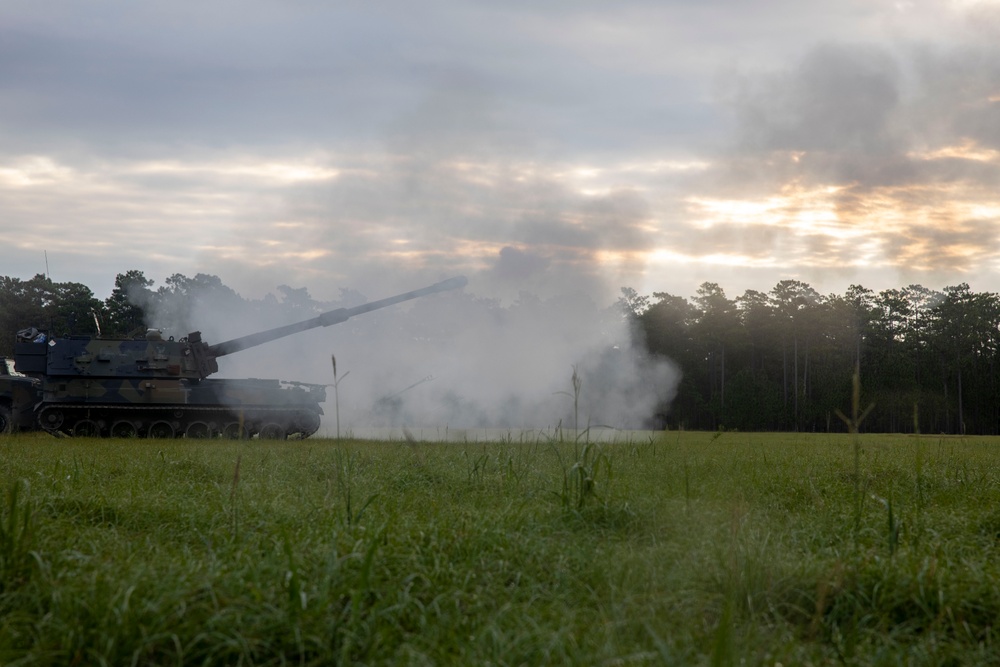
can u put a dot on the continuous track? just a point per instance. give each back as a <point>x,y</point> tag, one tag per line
<point>174,421</point>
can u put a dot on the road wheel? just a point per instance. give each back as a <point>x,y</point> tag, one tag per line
<point>272,431</point>
<point>124,429</point>
<point>86,428</point>
<point>161,430</point>
<point>308,423</point>
<point>234,431</point>
<point>52,419</point>
<point>198,430</point>
<point>6,421</point>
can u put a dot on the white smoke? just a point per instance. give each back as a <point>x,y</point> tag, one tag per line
<point>452,360</point>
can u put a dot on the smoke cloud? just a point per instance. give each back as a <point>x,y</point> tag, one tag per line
<point>453,360</point>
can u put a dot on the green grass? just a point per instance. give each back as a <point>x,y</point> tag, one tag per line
<point>694,548</point>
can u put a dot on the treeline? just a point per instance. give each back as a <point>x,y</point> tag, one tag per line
<point>784,360</point>
<point>135,304</point>
<point>781,360</point>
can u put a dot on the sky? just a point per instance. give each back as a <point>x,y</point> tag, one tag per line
<point>559,150</point>
<point>538,147</point>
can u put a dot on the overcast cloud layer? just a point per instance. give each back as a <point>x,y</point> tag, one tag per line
<point>547,148</point>
<point>650,144</point>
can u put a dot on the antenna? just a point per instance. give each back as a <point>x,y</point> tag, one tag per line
<point>46,263</point>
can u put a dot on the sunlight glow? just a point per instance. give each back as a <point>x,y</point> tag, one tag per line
<point>984,211</point>
<point>664,257</point>
<point>967,150</point>
<point>805,212</point>
<point>585,179</point>
<point>404,254</point>
<point>660,166</point>
<point>272,257</point>
<point>944,226</point>
<point>620,257</point>
<point>275,171</point>
<point>306,255</point>
<point>34,170</point>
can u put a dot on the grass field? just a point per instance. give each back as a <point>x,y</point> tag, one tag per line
<point>689,548</point>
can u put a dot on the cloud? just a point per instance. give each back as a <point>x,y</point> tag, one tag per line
<point>514,265</point>
<point>839,99</point>
<point>361,145</point>
<point>859,157</point>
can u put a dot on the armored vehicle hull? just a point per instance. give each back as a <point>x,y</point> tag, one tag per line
<point>151,387</point>
<point>269,409</point>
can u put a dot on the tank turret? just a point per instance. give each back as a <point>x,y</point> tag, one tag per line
<point>156,387</point>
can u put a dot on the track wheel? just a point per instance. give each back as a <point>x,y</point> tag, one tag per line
<point>234,431</point>
<point>124,429</point>
<point>52,419</point>
<point>308,423</point>
<point>161,429</point>
<point>6,421</point>
<point>198,430</point>
<point>86,428</point>
<point>272,431</point>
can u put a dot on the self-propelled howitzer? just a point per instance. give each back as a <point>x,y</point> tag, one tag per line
<point>159,388</point>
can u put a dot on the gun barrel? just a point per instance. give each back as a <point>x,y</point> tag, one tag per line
<point>329,318</point>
